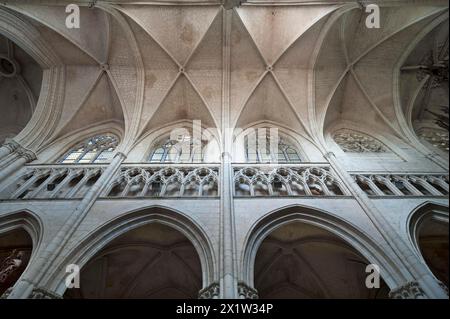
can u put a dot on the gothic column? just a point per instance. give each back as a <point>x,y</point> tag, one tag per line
<point>227,249</point>
<point>414,269</point>
<point>20,157</point>
<point>27,286</point>
<point>8,147</point>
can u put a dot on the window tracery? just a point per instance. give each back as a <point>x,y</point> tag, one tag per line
<point>355,142</point>
<point>184,149</point>
<point>97,149</point>
<point>262,151</point>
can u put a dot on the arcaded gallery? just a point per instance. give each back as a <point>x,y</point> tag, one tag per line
<point>224,149</point>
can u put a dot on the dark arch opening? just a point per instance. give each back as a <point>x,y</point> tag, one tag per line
<point>433,244</point>
<point>153,261</point>
<point>15,252</point>
<point>302,261</point>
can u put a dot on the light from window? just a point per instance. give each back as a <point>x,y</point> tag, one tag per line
<point>185,150</point>
<point>260,153</point>
<point>98,149</point>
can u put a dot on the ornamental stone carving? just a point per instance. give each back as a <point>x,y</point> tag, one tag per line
<point>164,182</point>
<point>210,292</point>
<point>37,293</point>
<point>410,290</point>
<point>287,181</point>
<point>28,155</point>
<point>355,142</point>
<point>11,145</point>
<point>246,292</point>
<point>41,293</point>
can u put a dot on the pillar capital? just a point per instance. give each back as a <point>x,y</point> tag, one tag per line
<point>410,290</point>
<point>246,292</point>
<point>11,145</point>
<point>41,293</point>
<point>210,292</point>
<point>27,154</point>
<point>36,293</point>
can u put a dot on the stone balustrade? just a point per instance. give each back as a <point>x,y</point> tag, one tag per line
<point>403,184</point>
<point>288,180</point>
<point>168,181</point>
<point>72,181</point>
<point>52,181</point>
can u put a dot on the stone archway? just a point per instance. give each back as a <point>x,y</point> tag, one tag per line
<point>299,260</point>
<point>433,245</point>
<point>153,261</point>
<point>429,233</point>
<point>20,238</point>
<point>313,254</point>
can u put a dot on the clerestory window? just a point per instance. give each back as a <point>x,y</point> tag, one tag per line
<point>97,149</point>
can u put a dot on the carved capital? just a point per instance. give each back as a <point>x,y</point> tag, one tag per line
<point>41,293</point>
<point>37,293</point>
<point>27,154</point>
<point>410,290</point>
<point>246,292</point>
<point>210,292</point>
<point>11,145</point>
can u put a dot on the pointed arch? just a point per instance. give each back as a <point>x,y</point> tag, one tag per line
<point>428,233</point>
<point>53,151</point>
<point>100,237</point>
<point>13,224</point>
<point>350,234</point>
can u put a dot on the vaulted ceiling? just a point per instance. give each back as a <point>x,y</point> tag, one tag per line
<point>153,261</point>
<point>311,250</point>
<point>307,66</point>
